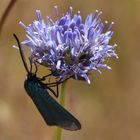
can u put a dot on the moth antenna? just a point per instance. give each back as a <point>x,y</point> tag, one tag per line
<point>21,54</point>
<point>32,66</point>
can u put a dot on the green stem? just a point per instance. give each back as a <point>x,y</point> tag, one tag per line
<point>62,102</point>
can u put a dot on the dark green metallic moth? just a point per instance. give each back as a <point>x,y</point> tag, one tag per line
<point>52,112</point>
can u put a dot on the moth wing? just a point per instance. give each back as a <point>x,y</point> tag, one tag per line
<point>53,113</point>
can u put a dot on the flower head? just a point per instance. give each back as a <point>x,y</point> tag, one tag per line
<point>69,46</point>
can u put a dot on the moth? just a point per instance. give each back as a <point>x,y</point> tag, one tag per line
<point>52,112</point>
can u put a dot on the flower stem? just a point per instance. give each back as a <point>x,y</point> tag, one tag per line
<point>6,13</point>
<point>62,102</point>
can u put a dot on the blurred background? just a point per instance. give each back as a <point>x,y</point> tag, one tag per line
<point>108,109</point>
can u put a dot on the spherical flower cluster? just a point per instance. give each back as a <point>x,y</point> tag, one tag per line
<point>69,46</point>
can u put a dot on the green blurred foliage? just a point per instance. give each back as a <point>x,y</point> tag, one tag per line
<point>108,109</point>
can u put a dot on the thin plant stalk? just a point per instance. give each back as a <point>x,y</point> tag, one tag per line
<point>6,13</point>
<point>62,102</point>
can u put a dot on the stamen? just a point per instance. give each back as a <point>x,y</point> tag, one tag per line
<point>56,11</point>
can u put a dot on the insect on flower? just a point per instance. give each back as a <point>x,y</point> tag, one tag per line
<point>52,112</point>
<point>69,47</point>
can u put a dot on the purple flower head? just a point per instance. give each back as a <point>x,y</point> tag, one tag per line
<point>69,46</point>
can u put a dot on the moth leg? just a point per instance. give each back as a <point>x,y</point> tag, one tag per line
<point>58,82</point>
<point>57,89</point>
<point>56,94</point>
<point>35,67</point>
<point>44,77</point>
